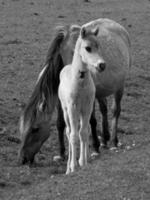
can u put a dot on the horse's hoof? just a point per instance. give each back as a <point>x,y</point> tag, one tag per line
<point>81,163</point>
<point>58,158</point>
<point>113,148</point>
<point>68,172</point>
<point>94,154</point>
<point>120,144</point>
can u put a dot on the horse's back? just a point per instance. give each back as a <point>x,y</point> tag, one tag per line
<point>112,34</point>
<point>111,26</point>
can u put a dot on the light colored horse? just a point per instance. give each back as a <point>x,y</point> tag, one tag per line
<point>115,50</point>
<point>115,44</point>
<point>77,93</point>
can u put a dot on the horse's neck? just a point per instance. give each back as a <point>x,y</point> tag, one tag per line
<point>78,64</point>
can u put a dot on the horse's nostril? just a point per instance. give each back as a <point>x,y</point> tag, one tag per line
<point>102,66</point>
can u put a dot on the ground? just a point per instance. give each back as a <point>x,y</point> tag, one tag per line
<point>26,30</point>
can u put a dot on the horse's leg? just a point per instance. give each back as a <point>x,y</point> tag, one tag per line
<point>95,139</point>
<point>84,138</point>
<point>105,135</point>
<point>73,136</point>
<point>69,157</point>
<point>73,162</point>
<point>60,128</point>
<point>69,144</point>
<point>82,146</point>
<point>87,144</point>
<point>116,109</point>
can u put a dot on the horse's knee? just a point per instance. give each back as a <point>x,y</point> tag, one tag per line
<point>116,106</point>
<point>84,135</point>
<point>116,109</point>
<point>73,139</point>
<point>68,132</point>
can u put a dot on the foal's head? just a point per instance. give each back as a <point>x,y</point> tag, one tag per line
<point>90,49</point>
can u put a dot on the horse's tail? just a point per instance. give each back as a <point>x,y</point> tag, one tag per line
<point>44,97</point>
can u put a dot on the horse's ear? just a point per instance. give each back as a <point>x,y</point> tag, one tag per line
<point>96,31</point>
<point>75,28</point>
<point>83,32</point>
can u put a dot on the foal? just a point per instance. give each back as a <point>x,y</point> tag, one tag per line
<point>77,93</point>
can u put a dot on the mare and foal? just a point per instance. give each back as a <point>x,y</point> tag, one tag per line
<point>99,53</point>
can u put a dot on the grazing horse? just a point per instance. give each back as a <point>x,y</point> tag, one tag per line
<point>115,50</point>
<point>77,93</point>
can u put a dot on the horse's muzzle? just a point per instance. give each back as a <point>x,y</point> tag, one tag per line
<point>101,66</point>
<point>25,157</point>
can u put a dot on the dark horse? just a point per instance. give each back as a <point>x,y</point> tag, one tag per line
<point>115,49</point>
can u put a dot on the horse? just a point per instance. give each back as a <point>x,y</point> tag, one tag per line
<point>76,92</point>
<point>116,51</point>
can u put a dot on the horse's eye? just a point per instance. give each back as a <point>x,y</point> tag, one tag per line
<point>88,49</point>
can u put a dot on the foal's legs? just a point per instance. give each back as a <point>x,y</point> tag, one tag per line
<point>73,120</point>
<point>116,109</point>
<point>84,141</point>
<point>61,127</point>
<point>105,135</point>
<point>68,132</point>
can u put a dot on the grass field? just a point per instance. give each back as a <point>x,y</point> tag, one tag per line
<point>25,34</point>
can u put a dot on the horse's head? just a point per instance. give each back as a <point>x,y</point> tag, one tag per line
<point>32,141</point>
<point>90,49</point>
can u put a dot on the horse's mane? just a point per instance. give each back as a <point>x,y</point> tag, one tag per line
<point>49,82</point>
<point>43,98</point>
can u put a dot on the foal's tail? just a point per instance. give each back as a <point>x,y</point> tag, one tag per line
<point>44,97</point>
